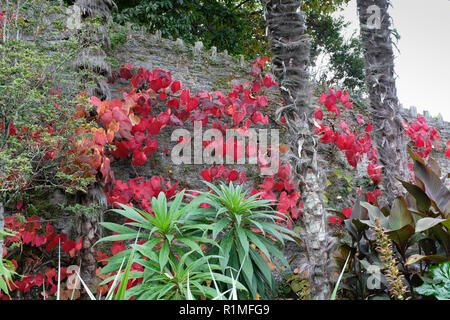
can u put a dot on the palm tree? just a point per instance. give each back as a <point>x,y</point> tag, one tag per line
<point>291,62</point>
<point>93,58</point>
<point>379,65</point>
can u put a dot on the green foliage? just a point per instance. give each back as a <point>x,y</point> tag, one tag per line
<point>230,25</point>
<point>420,220</point>
<point>239,26</point>
<point>6,274</point>
<point>6,267</point>
<point>117,36</point>
<point>233,219</point>
<point>173,251</point>
<point>36,119</point>
<point>346,59</point>
<point>174,263</point>
<point>439,284</point>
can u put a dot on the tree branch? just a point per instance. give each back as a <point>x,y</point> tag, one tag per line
<point>241,4</point>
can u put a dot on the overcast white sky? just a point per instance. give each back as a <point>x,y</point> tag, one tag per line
<point>423,64</point>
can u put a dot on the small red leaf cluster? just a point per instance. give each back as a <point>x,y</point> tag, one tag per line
<point>139,191</point>
<point>353,139</point>
<point>215,173</point>
<point>280,187</point>
<point>346,212</point>
<point>422,135</point>
<point>31,233</point>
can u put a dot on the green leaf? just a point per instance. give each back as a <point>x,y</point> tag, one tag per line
<point>375,213</point>
<point>218,227</point>
<point>439,285</point>
<point>434,188</point>
<point>130,213</point>
<point>427,223</point>
<point>336,287</point>
<point>417,258</point>
<point>422,200</point>
<point>243,239</point>
<point>400,215</point>
<point>114,227</point>
<point>401,236</point>
<point>261,264</point>
<point>164,255</point>
<point>225,244</point>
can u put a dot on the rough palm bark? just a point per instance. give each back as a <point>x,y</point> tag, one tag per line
<point>2,227</point>
<point>291,66</point>
<point>93,8</point>
<point>93,58</point>
<point>388,123</point>
<point>88,228</point>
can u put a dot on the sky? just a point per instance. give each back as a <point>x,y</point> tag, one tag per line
<point>423,63</point>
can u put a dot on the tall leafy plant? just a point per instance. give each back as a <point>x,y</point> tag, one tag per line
<point>248,235</point>
<point>170,255</point>
<point>418,225</point>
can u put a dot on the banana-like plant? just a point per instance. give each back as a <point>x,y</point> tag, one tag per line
<point>418,225</point>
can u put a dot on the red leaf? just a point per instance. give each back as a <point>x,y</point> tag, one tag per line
<point>318,114</point>
<point>173,103</point>
<point>176,85</point>
<point>117,247</point>
<point>162,95</point>
<point>40,240</point>
<point>139,158</point>
<point>79,245</point>
<point>238,116</point>
<point>95,101</point>
<point>233,175</point>
<point>134,82</point>
<point>38,280</point>
<point>27,237</point>
<point>50,273</point>
<point>151,147</point>
<point>347,212</point>
<point>68,246</point>
<point>262,101</point>
<point>242,178</point>
<point>256,87</point>
<point>206,174</point>
<point>332,219</point>
<point>279,186</point>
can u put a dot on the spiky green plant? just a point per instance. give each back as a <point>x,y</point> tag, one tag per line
<point>173,261</point>
<point>246,229</point>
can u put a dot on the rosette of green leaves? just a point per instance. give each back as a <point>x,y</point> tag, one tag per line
<point>247,229</point>
<point>174,264</point>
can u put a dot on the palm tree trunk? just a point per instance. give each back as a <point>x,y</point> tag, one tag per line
<point>88,227</point>
<point>2,227</point>
<point>379,65</point>
<point>291,62</point>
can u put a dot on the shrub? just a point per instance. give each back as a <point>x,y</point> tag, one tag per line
<point>248,236</point>
<point>169,261</point>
